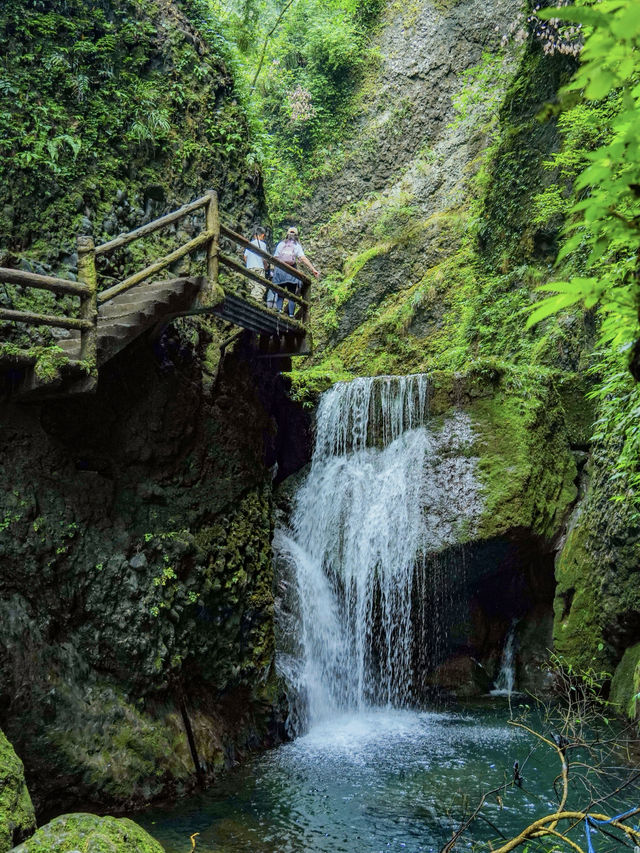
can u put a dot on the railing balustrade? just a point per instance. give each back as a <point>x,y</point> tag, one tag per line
<point>86,288</point>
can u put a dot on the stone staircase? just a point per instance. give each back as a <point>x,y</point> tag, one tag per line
<point>107,320</point>
<point>128,315</point>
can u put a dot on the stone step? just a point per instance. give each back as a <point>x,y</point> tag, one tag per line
<point>130,309</point>
<point>140,295</point>
<point>151,290</point>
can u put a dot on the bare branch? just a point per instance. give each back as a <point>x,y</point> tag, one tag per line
<point>266,41</point>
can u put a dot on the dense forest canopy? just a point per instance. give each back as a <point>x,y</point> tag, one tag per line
<point>299,61</point>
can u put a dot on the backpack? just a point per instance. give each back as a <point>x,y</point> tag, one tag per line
<point>288,253</point>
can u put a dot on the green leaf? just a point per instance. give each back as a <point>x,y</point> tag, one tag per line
<point>547,307</point>
<point>600,84</point>
<point>579,15</point>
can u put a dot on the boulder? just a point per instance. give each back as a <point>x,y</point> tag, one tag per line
<point>17,818</point>
<point>91,834</point>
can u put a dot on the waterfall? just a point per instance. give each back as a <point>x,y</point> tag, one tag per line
<point>505,681</point>
<point>385,489</point>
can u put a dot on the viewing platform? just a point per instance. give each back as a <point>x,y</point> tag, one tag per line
<point>108,319</point>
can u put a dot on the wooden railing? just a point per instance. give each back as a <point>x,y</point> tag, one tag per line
<point>209,239</point>
<point>86,322</point>
<point>305,281</point>
<point>87,285</point>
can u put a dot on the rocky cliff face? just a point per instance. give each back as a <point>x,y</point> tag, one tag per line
<point>135,525</point>
<point>136,590</point>
<point>427,265</point>
<point>427,231</point>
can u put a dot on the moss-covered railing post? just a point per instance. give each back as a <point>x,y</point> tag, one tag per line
<point>213,228</point>
<point>88,302</point>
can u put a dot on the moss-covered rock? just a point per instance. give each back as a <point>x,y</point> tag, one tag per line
<point>17,818</point>
<point>136,581</point>
<point>597,603</point>
<point>525,468</point>
<point>525,462</point>
<point>625,686</point>
<point>90,834</point>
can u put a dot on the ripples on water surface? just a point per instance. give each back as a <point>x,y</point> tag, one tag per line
<point>376,781</point>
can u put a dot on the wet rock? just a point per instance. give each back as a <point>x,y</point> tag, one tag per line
<point>85,226</point>
<point>138,561</point>
<point>70,260</point>
<point>17,818</point>
<point>91,834</point>
<point>463,676</point>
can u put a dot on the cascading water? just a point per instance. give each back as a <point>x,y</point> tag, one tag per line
<point>370,582</point>
<point>385,489</point>
<point>505,681</point>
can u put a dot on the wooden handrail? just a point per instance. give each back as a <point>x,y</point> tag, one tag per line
<point>237,267</point>
<point>43,282</point>
<point>247,314</point>
<point>130,282</point>
<point>44,319</point>
<point>124,239</point>
<point>238,238</point>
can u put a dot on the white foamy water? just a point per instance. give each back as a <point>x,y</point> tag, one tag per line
<point>363,782</point>
<point>505,681</point>
<point>386,488</point>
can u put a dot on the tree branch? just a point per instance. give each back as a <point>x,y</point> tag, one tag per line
<point>266,41</point>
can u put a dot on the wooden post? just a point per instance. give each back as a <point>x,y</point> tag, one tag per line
<point>213,226</point>
<point>305,344</point>
<point>88,304</point>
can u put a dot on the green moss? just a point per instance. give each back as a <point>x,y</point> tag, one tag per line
<point>307,385</point>
<point>356,262</point>
<point>625,686</point>
<point>237,586</point>
<point>123,750</point>
<point>17,818</point>
<point>577,629</point>
<point>579,410</point>
<point>524,464</point>
<point>512,179</point>
<point>91,834</point>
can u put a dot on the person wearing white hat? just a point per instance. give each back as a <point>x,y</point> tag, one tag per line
<point>289,251</point>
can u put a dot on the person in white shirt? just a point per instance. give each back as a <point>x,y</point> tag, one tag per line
<point>255,263</point>
<point>290,251</point>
